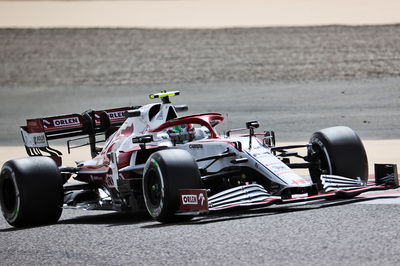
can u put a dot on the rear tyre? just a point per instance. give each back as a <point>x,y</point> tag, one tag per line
<point>337,151</point>
<point>31,191</point>
<point>165,173</point>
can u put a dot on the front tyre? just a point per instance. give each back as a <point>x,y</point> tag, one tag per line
<point>31,191</point>
<point>337,151</point>
<point>164,174</point>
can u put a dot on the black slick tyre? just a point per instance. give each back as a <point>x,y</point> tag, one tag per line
<point>164,174</point>
<point>337,151</point>
<point>31,191</point>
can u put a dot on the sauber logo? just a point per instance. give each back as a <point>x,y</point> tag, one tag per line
<point>66,122</point>
<point>34,140</point>
<point>116,115</point>
<point>40,139</point>
<point>196,146</point>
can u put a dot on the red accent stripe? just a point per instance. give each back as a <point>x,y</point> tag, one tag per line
<point>265,202</point>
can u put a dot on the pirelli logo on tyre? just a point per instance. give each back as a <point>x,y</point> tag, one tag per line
<point>193,200</point>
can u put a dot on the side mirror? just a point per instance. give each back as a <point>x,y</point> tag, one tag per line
<point>143,139</point>
<point>181,108</point>
<point>132,113</point>
<point>214,123</point>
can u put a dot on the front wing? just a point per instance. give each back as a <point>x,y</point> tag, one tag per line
<point>196,202</point>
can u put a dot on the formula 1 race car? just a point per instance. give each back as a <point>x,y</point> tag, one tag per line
<point>176,167</point>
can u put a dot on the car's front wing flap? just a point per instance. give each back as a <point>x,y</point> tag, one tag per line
<point>255,196</point>
<point>246,201</point>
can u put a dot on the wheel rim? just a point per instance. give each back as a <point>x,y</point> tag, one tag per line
<point>154,189</point>
<point>320,161</point>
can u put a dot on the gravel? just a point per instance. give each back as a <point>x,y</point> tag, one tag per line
<point>112,57</point>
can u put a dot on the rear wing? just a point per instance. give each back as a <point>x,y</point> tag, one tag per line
<point>39,131</point>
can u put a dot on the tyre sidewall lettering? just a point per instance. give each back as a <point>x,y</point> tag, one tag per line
<point>155,211</point>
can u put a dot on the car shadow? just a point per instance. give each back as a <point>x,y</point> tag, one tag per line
<point>14,229</point>
<point>110,219</point>
<point>120,219</point>
<point>267,211</point>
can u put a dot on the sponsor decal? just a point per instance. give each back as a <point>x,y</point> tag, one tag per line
<point>70,121</point>
<point>45,123</point>
<point>116,115</point>
<point>110,181</point>
<point>196,146</point>
<point>34,140</point>
<point>39,139</point>
<point>278,168</point>
<point>202,198</point>
<point>193,200</point>
<point>189,199</point>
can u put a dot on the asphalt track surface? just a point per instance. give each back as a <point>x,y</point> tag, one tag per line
<point>338,235</point>
<point>310,77</point>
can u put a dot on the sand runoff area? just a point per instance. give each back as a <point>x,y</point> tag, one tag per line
<point>196,13</point>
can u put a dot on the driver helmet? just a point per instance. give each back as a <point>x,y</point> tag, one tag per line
<point>181,134</point>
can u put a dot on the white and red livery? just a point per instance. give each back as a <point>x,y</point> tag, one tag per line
<point>176,167</point>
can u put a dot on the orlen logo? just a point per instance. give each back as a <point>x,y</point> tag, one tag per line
<point>116,115</point>
<point>66,122</point>
<point>190,199</point>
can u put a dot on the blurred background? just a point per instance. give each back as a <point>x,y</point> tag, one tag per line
<point>297,66</point>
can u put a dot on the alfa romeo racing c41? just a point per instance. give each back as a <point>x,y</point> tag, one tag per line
<point>176,167</point>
